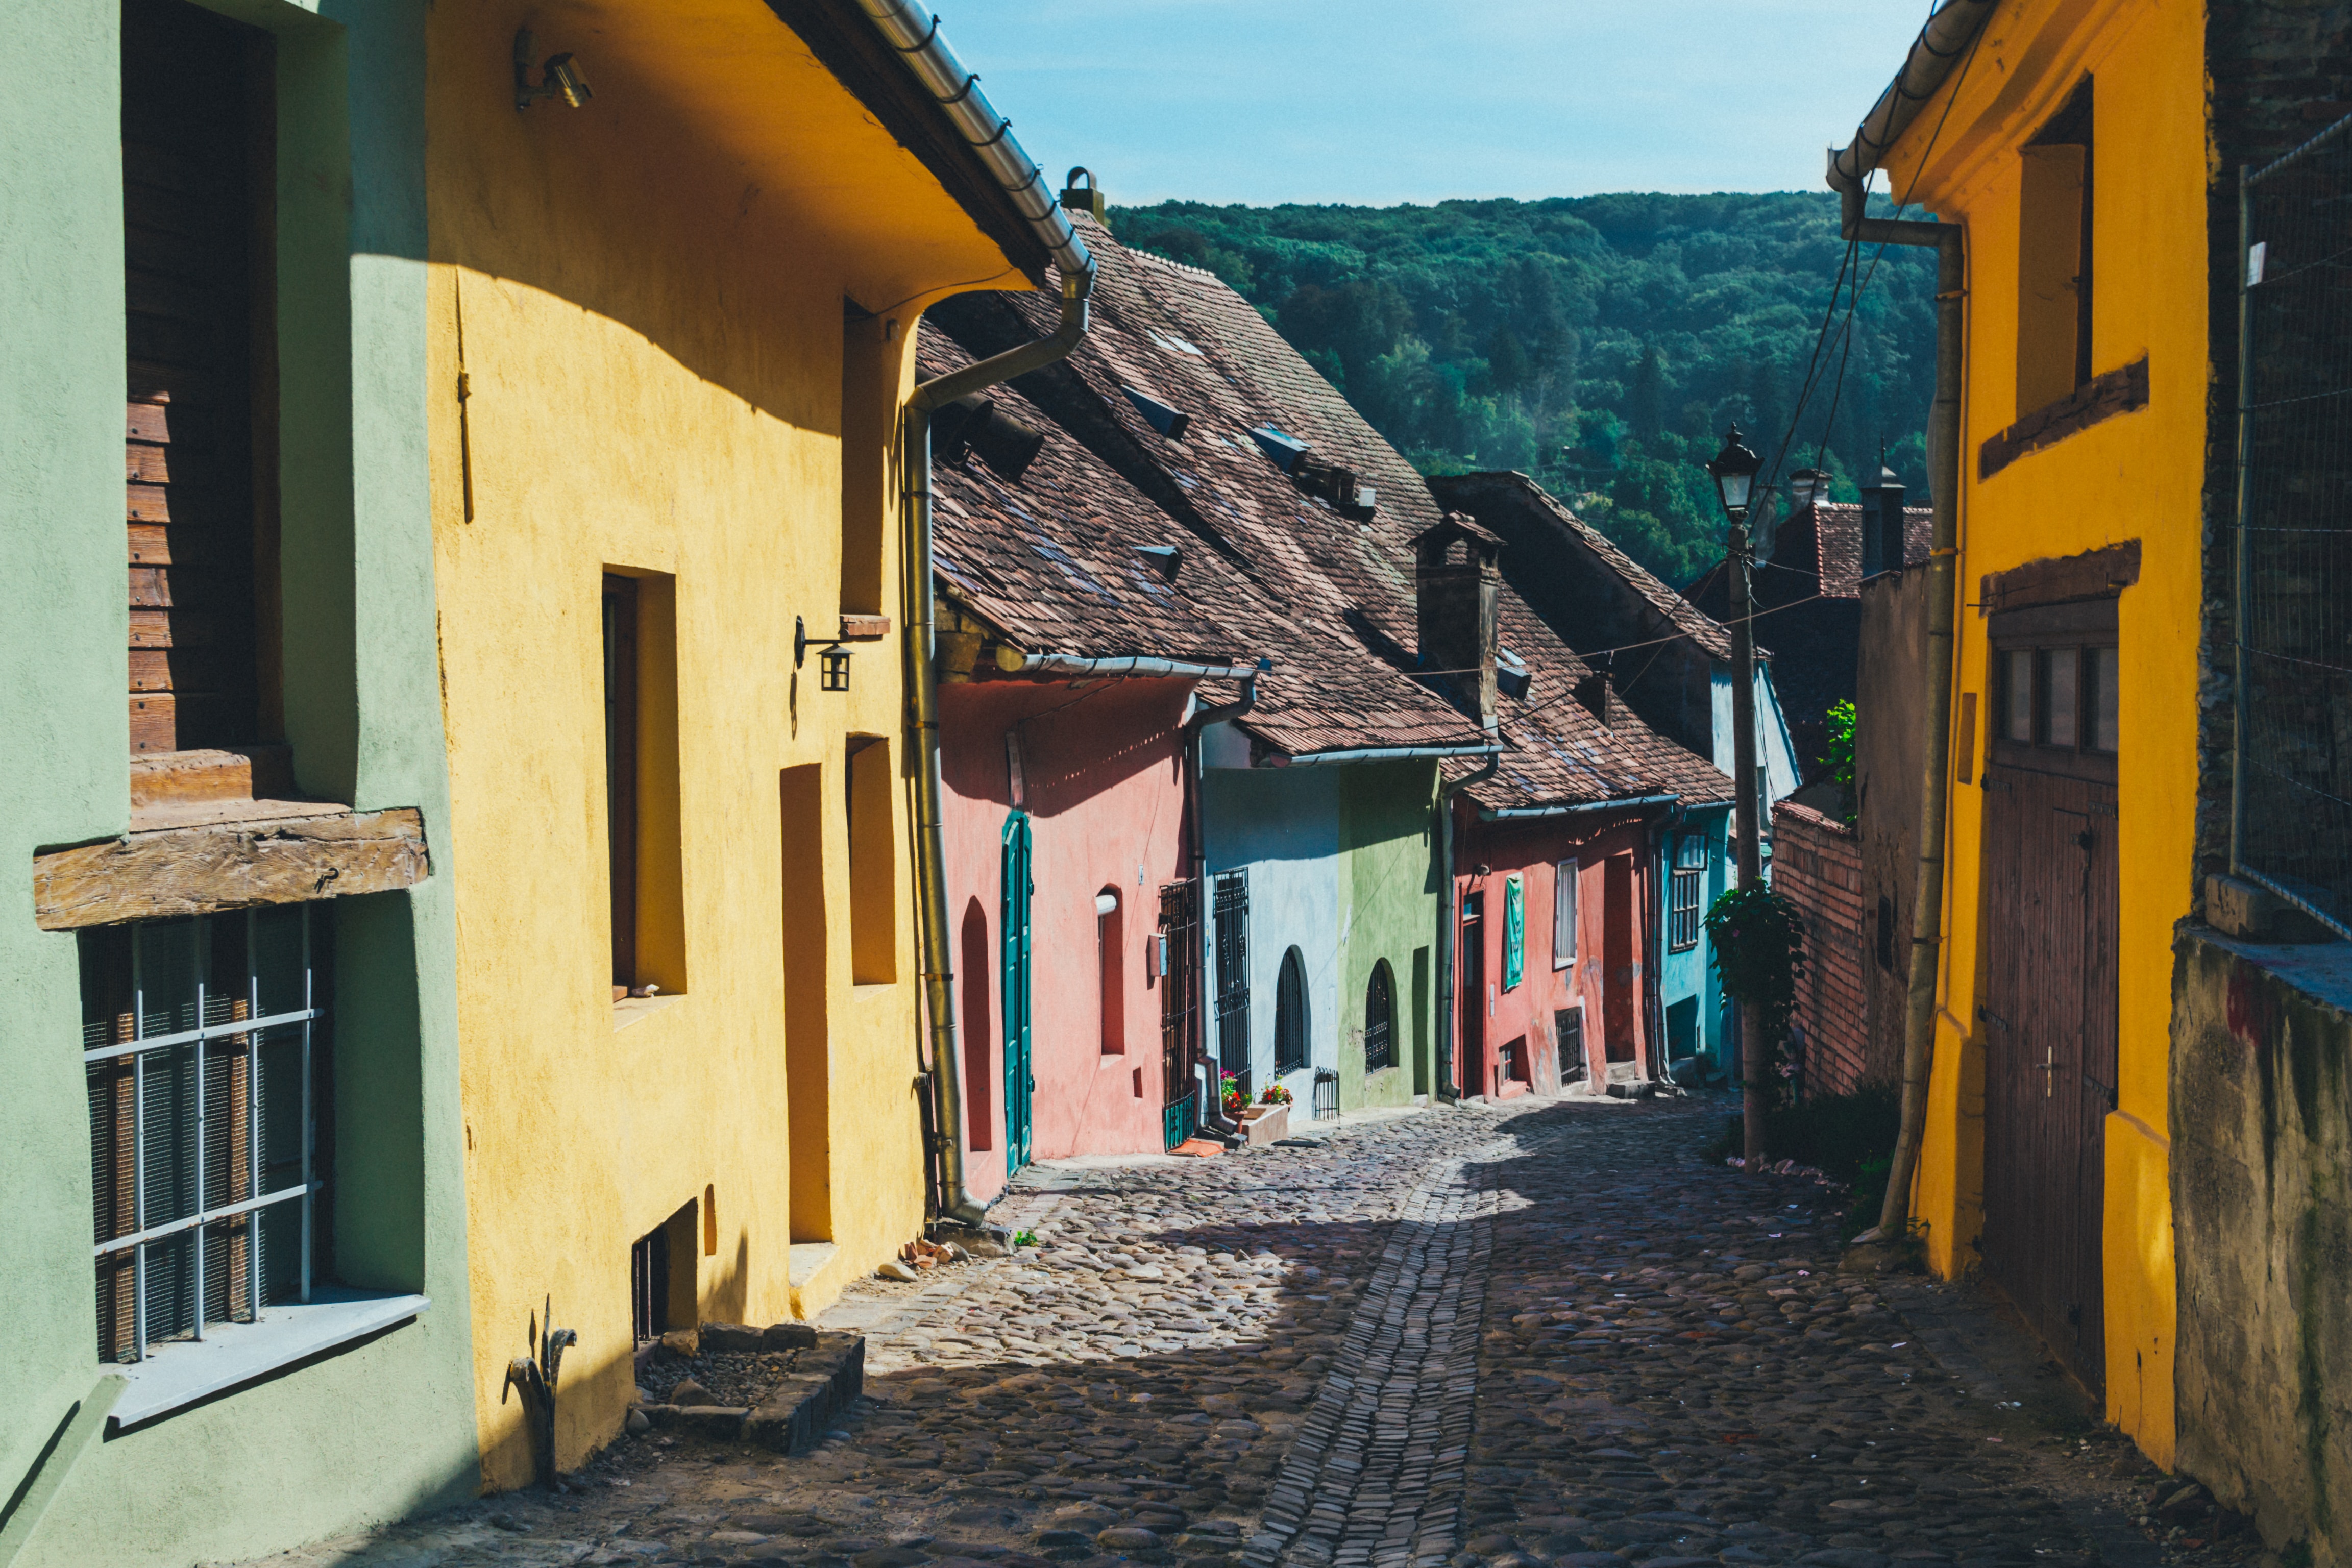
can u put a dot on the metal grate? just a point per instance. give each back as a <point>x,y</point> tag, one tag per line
<point>1180,1009</point>
<point>1290,1015</point>
<point>1232,905</point>
<point>1326,1095</point>
<point>2291,810</point>
<point>1380,1020</point>
<point>197,1039</point>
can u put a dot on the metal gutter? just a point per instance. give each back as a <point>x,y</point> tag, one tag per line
<point>1077,664</point>
<point>1941,44</point>
<point>1519,813</point>
<point>1390,754</point>
<point>914,33</point>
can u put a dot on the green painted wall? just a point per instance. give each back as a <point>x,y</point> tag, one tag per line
<point>387,1427</point>
<point>1388,888</point>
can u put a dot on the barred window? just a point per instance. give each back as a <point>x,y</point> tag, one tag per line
<point>202,1048</point>
<point>1687,893</point>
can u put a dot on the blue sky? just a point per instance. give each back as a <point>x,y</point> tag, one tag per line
<point>1394,100</point>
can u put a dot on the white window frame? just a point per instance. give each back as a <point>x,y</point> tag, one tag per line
<point>1563,875</point>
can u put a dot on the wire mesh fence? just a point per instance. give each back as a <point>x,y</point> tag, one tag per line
<point>2292,826</point>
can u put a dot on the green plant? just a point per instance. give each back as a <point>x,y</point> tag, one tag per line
<point>1275,1094</point>
<point>1230,1093</point>
<point>1024,1238</point>
<point>1837,756</point>
<point>1758,941</point>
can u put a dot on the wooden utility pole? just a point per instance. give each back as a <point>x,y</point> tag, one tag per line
<point>1745,826</point>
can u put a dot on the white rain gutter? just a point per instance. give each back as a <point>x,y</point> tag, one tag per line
<point>1516,813</point>
<point>1937,51</point>
<point>1390,754</point>
<point>914,33</point>
<point>1076,663</point>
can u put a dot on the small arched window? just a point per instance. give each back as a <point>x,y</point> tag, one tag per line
<point>1290,1015</point>
<point>1379,1020</point>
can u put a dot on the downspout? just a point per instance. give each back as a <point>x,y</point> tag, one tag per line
<point>914,34</point>
<point>1449,921</point>
<point>1204,938</point>
<point>1944,451</point>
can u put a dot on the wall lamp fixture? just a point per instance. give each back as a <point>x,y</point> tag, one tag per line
<point>558,79</point>
<point>833,664</point>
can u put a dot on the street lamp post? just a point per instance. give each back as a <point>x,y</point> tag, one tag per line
<point>1734,472</point>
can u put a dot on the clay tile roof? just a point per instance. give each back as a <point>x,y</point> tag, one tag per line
<point>1270,566</point>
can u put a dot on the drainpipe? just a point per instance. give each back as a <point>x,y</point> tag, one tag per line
<point>914,34</point>
<point>1849,171</point>
<point>1449,919</point>
<point>1204,938</point>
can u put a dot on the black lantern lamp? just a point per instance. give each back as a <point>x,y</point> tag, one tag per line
<point>833,663</point>
<point>1734,472</point>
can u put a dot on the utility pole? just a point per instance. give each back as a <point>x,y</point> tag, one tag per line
<point>1734,472</point>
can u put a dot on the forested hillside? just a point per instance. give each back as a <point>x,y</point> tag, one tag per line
<point>1598,342</point>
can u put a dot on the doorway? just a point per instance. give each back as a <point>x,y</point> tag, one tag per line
<point>1474,996</point>
<point>2048,1014</point>
<point>1013,988</point>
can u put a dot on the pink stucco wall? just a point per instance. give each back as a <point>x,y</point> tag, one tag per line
<point>1613,904</point>
<point>1103,785</point>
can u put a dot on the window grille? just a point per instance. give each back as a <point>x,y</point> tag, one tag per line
<point>198,1049</point>
<point>1179,1003</point>
<point>1232,909</point>
<point>1290,1015</point>
<point>2292,798</point>
<point>1686,893</point>
<point>1379,1020</point>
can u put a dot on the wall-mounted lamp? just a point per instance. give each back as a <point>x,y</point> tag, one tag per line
<point>558,79</point>
<point>833,664</point>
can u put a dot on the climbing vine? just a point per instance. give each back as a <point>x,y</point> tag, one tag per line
<point>1758,941</point>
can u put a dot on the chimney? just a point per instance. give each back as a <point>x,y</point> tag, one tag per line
<point>1455,581</point>
<point>1881,524</point>
<point>1806,486</point>
<point>1086,198</point>
<point>1599,699</point>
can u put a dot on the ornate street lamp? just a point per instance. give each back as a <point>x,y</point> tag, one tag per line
<point>1734,472</point>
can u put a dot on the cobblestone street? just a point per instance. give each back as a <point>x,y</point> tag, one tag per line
<point>1460,1339</point>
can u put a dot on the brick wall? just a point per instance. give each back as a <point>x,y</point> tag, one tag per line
<point>1817,866</point>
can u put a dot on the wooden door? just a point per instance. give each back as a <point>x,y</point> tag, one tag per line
<point>2047,1016</point>
<point>1012,984</point>
<point>1473,992</point>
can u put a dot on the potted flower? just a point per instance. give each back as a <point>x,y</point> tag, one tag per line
<point>1269,1119</point>
<point>1233,1096</point>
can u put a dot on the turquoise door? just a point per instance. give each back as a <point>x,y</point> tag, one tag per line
<point>1013,985</point>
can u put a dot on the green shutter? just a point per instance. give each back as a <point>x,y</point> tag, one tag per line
<point>1515,929</point>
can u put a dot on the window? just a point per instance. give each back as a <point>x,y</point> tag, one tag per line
<point>1687,893</point>
<point>803,812</point>
<point>1290,1014</point>
<point>203,1049</point>
<point>662,1293</point>
<point>1563,914</point>
<point>870,403</point>
<point>2053,258</point>
<point>199,223</point>
<point>2017,696</point>
<point>1515,929</point>
<point>2055,665</point>
<point>1110,971</point>
<point>2102,687</point>
<point>1231,909</point>
<point>1379,1020</point>
<point>872,863</point>
<point>621,771</point>
<point>1568,1024</point>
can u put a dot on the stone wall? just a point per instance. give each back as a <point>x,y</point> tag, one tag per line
<point>1817,866</point>
<point>2262,1148</point>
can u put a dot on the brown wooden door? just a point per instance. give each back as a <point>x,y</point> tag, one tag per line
<point>2048,1021</point>
<point>1474,996</point>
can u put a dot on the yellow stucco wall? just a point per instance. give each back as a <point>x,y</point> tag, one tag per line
<point>2138,475</point>
<point>650,292</point>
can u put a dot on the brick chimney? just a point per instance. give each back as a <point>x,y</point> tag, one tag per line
<point>1455,581</point>
<point>1883,544</point>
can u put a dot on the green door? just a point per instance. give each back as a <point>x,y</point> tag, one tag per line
<point>1013,986</point>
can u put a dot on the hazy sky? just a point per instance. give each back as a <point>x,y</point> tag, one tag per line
<point>1414,100</point>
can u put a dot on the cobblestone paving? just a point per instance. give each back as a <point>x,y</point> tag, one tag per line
<point>1463,1338</point>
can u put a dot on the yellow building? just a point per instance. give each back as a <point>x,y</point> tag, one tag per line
<point>672,330</point>
<point>2068,140</point>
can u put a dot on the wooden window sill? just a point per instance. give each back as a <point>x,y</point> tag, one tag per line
<point>2095,402</point>
<point>291,852</point>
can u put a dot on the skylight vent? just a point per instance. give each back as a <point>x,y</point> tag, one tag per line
<point>1169,421</point>
<point>1285,451</point>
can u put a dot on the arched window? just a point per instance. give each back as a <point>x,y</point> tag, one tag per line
<point>1379,1020</point>
<point>1290,1015</point>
